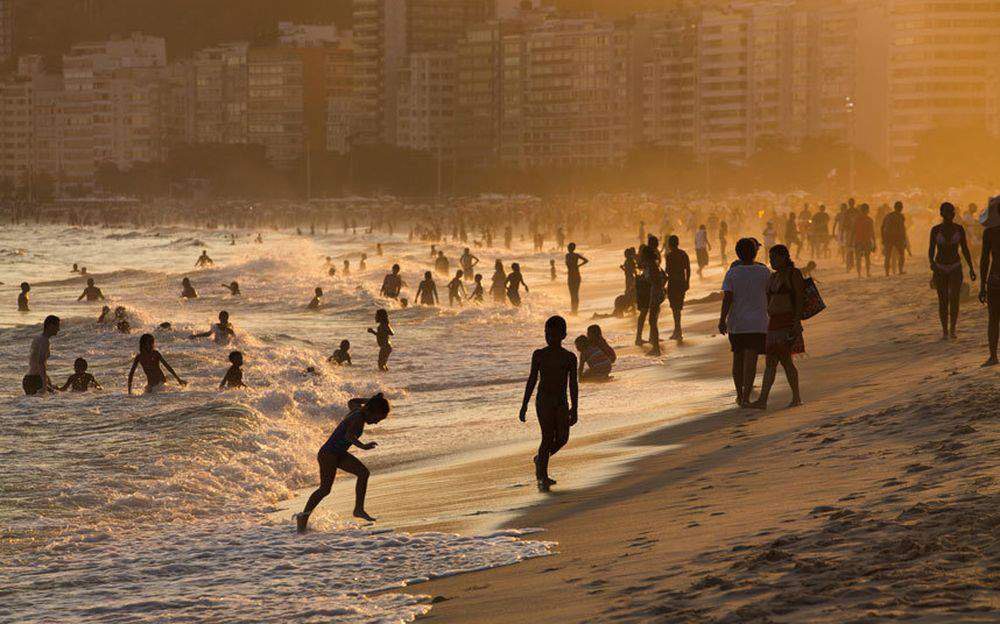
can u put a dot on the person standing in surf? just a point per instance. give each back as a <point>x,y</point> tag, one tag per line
<point>427,292</point>
<point>498,284</point>
<point>554,371</point>
<point>574,262</point>
<point>37,378</point>
<point>514,282</point>
<point>334,455</point>
<point>392,284</point>
<point>382,335</point>
<point>150,359</point>
<point>203,260</point>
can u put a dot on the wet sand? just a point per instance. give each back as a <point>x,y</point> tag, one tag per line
<point>874,501</point>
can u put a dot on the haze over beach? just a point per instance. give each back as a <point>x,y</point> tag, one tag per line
<point>497,311</point>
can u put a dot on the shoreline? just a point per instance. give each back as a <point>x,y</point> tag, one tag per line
<point>765,517</point>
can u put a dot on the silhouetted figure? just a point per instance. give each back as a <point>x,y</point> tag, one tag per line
<point>203,260</point>
<point>514,282</point>
<point>477,290</point>
<point>222,333</point>
<point>233,288</point>
<point>187,290</point>
<point>22,298</point>
<point>91,293</point>
<point>382,334</point>
<point>334,455</point>
<point>701,249</point>
<point>554,371</point>
<point>895,242</point>
<point>744,315</point>
<point>342,356</point>
<point>392,284</point>
<point>468,261</point>
<point>456,290</point>
<point>723,241</point>
<point>678,269</point>
<point>864,240</point>
<point>37,379</point>
<point>946,240</point>
<point>441,264</point>
<point>80,380</point>
<point>498,284</point>
<point>234,376</point>
<point>317,301</point>
<point>150,359</point>
<point>573,263</point>
<point>989,269</point>
<point>785,298</point>
<point>427,293</point>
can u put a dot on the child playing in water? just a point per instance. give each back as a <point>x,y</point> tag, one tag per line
<point>556,369</point>
<point>334,455</point>
<point>456,290</point>
<point>596,337</point>
<point>514,282</point>
<point>342,356</point>
<point>234,376</point>
<point>552,269</point>
<point>80,380</point>
<point>594,362</point>
<point>477,290</point>
<point>187,290</point>
<point>382,335</point>
<point>151,359</point>
<point>316,300</point>
<point>233,288</point>
<point>22,299</point>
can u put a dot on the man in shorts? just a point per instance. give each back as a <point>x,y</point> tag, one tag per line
<point>37,379</point>
<point>744,315</point>
<point>678,266</point>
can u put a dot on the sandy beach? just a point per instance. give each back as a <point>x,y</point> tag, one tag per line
<point>875,501</point>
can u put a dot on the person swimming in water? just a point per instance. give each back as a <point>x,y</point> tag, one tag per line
<point>427,293</point>
<point>187,290</point>
<point>317,299</point>
<point>334,455</point>
<point>150,359</point>
<point>22,298</point>
<point>203,260</point>
<point>514,282</point>
<point>456,289</point>
<point>80,380</point>
<point>222,332</point>
<point>234,376</point>
<point>91,292</point>
<point>947,239</point>
<point>382,335</point>
<point>554,371</point>
<point>105,316</point>
<point>233,288</point>
<point>342,356</point>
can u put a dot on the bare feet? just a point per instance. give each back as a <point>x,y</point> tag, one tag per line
<point>361,513</point>
<point>301,522</point>
<point>990,362</point>
<point>759,404</point>
<point>795,403</point>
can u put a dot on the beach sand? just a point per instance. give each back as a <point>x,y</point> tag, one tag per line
<point>877,500</point>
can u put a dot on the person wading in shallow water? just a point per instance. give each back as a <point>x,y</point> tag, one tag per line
<point>946,240</point>
<point>554,371</point>
<point>574,262</point>
<point>37,378</point>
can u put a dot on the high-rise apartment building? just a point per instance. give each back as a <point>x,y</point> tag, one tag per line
<point>426,111</point>
<point>942,70</point>
<point>7,16</point>
<point>385,32</point>
<point>564,102</point>
<point>221,93</point>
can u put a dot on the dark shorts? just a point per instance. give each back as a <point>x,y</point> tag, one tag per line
<point>748,342</point>
<point>32,384</point>
<point>676,298</point>
<point>948,281</point>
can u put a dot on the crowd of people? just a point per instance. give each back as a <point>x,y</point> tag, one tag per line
<point>762,307</point>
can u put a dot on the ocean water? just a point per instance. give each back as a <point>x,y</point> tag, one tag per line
<point>133,508</point>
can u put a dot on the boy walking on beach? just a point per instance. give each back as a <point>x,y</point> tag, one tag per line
<point>556,369</point>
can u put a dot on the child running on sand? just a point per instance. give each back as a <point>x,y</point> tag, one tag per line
<point>334,455</point>
<point>382,335</point>
<point>80,380</point>
<point>556,369</point>
<point>234,376</point>
<point>342,356</point>
<point>456,289</point>
<point>150,359</point>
